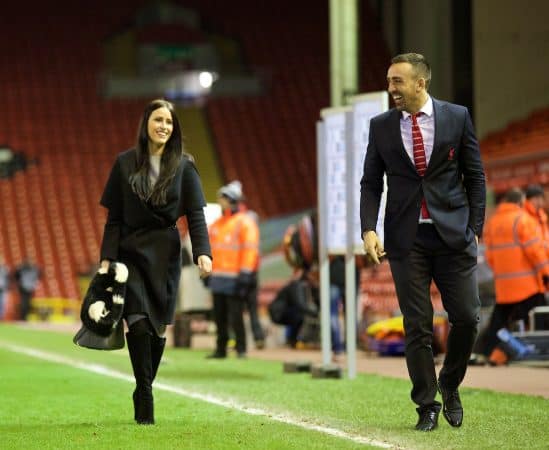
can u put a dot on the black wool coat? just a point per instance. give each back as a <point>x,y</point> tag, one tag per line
<point>146,239</point>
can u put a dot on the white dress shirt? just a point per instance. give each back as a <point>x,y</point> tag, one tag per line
<point>426,123</point>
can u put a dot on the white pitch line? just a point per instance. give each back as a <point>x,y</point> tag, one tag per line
<point>208,398</point>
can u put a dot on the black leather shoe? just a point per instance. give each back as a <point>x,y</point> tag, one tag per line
<point>216,355</point>
<point>428,419</point>
<point>451,409</point>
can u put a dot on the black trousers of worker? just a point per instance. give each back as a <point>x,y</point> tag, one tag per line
<point>25,298</point>
<point>228,312</point>
<point>454,273</point>
<point>504,313</point>
<point>251,304</point>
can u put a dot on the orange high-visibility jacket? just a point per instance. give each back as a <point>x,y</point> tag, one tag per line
<point>516,254</point>
<point>234,239</point>
<point>541,217</point>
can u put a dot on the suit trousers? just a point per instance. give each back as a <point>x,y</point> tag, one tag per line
<point>228,312</point>
<point>454,273</point>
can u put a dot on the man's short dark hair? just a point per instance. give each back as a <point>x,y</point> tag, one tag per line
<point>418,62</point>
<point>534,190</point>
<point>514,195</point>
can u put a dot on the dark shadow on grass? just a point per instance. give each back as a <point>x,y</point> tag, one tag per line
<point>87,426</point>
<point>225,374</point>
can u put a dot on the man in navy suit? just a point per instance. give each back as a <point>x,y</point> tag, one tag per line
<point>434,214</point>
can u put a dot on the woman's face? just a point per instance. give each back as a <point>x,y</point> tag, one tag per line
<point>160,127</point>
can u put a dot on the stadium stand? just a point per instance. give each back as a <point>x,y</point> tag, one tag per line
<point>519,154</point>
<point>56,116</point>
<point>55,113</point>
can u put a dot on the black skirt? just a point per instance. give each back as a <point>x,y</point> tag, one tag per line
<point>153,258</point>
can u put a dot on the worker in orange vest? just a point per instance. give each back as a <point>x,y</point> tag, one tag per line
<point>234,239</point>
<point>515,251</point>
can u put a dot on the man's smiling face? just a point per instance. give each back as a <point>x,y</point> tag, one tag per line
<point>405,87</point>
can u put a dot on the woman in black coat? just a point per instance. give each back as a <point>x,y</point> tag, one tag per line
<point>150,187</point>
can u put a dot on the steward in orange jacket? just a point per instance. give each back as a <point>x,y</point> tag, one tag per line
<point>515,252</point>
<point>234,239</point>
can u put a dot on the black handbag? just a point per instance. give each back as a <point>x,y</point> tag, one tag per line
<point>89,339</point>
<point>102,308</point>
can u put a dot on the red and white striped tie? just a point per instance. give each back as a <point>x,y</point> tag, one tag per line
<point>419,158</point>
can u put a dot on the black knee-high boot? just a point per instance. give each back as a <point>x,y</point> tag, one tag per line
<point>140,349</point>
<point>157,348</point>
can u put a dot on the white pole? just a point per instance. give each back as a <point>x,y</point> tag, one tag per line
<point>324,268</point>
<point>350,274</point>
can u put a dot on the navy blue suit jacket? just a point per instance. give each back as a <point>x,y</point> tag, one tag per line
<point>453,186</point>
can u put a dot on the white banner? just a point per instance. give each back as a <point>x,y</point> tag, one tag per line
<point>364,107</point>
<point>334,178</point>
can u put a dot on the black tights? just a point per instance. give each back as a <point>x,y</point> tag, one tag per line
<point>142,327</point>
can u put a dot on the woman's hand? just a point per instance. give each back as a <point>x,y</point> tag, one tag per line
<point>204,266</point>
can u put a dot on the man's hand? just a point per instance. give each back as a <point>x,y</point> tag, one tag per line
<point>372,246</point>
<point>204,266</point>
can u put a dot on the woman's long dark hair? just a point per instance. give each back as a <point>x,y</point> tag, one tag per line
<point>169,162</point>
